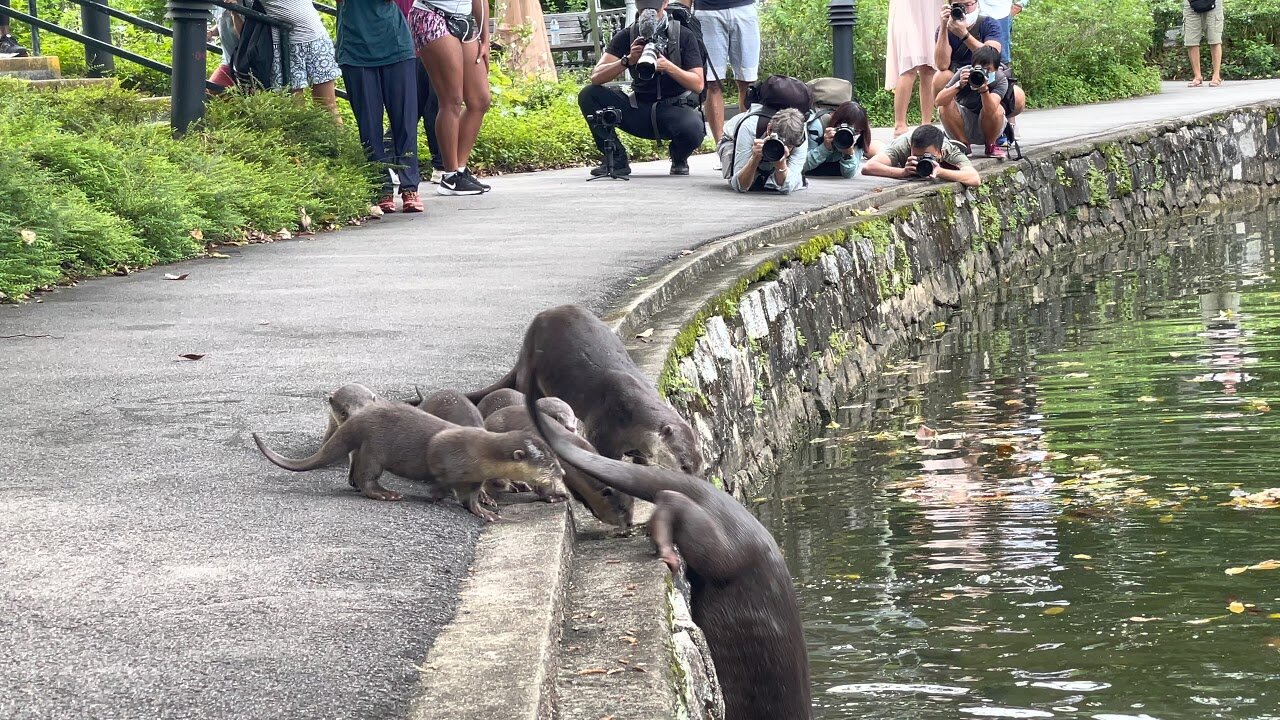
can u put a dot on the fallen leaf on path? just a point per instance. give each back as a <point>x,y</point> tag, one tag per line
<point>183,276</point>
<point>191,356</point>
<point>592,671</point>
<point>218,255</point>
<point>645,334</point>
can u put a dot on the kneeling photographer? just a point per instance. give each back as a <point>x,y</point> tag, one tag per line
<point>666,66</point>
<point>978,101</point>
<point>924,154</point>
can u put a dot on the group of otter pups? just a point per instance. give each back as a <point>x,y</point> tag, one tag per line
<point>523,429</point>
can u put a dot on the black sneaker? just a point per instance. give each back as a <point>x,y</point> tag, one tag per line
<point>458,184</point>
<point>9,46</point>
<point>679,167</point>
<point>621,170</point>
<point>476,180</point>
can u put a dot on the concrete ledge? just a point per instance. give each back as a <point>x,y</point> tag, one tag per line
<point>44,67</point>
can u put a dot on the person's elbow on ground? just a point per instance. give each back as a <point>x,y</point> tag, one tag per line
<point>968,177</point>
<point>879,166</point>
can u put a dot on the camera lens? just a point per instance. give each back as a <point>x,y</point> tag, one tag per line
<point>957,11</point>
<point>977,78</point>
<point>647,65</point>
<point>845,138</point>
<point>925,166</point>
<point>773,149</point>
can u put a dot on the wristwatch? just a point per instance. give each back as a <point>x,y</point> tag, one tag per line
<point>626,61</point>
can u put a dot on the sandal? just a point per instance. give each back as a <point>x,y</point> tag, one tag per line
<point>1215,83</point>
<point>1195,83</point>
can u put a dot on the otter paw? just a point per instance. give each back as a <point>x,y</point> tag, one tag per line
<point>672,561</point>
<point>555,497</point>
<point>382,494</point>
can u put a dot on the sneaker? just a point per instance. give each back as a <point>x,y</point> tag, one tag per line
<point>483,186</point>
<point>996,151</point>
<point>410,202</point>
<point>387,203</point>
<point>622,170</point>
<point>436,175</point>
<point>456,183</point>
<point>9,46</point>
<point>679,167</point>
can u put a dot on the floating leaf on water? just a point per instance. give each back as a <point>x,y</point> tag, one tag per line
<point>1236,570</point>
<point>833,425</point>
<point>1082,556</point>
<point>1070,364</point>
<point>1076,375</point>
<point>925,433</point>
<point>939,326</point>
<point>1054,610</point>
<point>851,576</point>
<point>1165,518</point>
<point>1148,399</point>
<point>1140,619</point>
<point>1236,607</point>
<point>1274,616</point>
<point>1206,621</point>
<point>1266,565</point>
<point>1269,498</point>
<point>191,356</point>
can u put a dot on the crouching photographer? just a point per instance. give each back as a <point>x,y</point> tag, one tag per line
<point>978,102</point>
<point>667,77</point>
<point>924,154</point>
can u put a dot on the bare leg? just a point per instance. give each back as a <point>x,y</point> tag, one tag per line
<point>901,100</point>
<point>743,86</point>
<point>927,94</point>
<point>443,61</point>
<point>992,118</point>
<point>953,121</point>
<point>1215,52</point>
<point>714,109</point>
<point>1193,55</point>
<point>475,92</point>
<point>364,476</point>
<point>940,80</point>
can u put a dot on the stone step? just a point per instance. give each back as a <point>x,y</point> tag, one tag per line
<point>45,67</point>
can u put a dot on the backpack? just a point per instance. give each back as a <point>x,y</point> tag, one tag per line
<point>781,91</point>
<point>1203,6</point>
<point>828,94</point>
<point>255,52</point>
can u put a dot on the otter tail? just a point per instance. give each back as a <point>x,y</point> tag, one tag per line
<point>635,480</point>
<point>333,450</point>
<point>507,381</point>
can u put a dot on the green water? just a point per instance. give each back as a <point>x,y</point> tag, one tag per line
<point>1054,542</point>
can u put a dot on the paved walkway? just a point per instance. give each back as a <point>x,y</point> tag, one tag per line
<point>153,565</point>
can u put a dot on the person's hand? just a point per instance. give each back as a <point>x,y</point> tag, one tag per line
<point>848,152</point>
<point>946,16</point>
<point>664,65</point>
<point>909,169</point>
<point>828,137</point>
<point>959,28</point>
<point>757,149</point>
<point>637,48</point>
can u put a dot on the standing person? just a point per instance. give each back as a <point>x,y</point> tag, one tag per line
<point>1197,26</point>
<point>909,54</point>
<point>227,29</point>
<point>375,52</point>
<point>311,54</point>
<point>428,106</point>
<point>8,44</point>
<point>452,40</point>
<point>1003,12</point>
<point>731,34</point>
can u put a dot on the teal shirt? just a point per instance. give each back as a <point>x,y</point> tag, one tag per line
<point>372,33</point>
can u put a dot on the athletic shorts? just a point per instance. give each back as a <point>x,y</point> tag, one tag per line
<point>310,63</point>
<point>1201,26</point>
<point>732,37</point>
<point>428,26</point>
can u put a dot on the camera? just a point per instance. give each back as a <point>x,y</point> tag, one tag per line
<point>653,32</point>
<point>773,149</point>
<point>845,137</point>
<point>606,118</point>
<point>647,65</point>
<point>977,78</point>
<point>957,11</point>
<point>925,165</point>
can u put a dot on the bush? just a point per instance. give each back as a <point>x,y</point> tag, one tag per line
<point>91,180</point>
<point>1250,42</point>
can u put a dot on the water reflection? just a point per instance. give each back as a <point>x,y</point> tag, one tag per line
<point>1023,518</point>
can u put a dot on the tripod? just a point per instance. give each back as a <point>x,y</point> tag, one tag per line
<point>610,150</point>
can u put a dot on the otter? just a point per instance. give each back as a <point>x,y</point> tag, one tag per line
<point>606,504</point>
<point>592,372</point>
<point>498,399</point>
<point>418,446</point>
<point>501,400</point>
<point>345,401</point>
<point>741,594</point>
<point>452,406</point>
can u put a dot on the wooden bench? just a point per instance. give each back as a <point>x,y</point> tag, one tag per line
<point>577,39</point>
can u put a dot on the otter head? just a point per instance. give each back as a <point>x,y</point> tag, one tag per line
<point>532,460</point>
<point>559,410</point>
<point>673,446</point>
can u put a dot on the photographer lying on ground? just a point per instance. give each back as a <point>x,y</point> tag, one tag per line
<point>839,148</point>
<point>765,153</point>
<point>925,153</point>
<point>963,32</point>
<point>978,102</point>
<point>666,67</point>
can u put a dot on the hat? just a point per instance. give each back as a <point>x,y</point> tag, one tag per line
<point>649,4</point>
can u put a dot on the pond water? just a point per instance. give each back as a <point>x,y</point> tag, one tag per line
<point>1038,511</point>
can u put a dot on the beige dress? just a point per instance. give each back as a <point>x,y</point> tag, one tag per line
<point>913,26</point>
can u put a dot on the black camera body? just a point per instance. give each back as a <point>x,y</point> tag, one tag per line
<point>773,149</point>
<point>925,165</point>
<point>957,11</point>
<point>845,137</point>
<point>977,78</point>
<point>606,118</point>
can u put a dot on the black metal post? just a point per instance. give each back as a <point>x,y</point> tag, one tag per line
<point>842,14</point>
<point>190,23</point>
<point>35,31</point>
<point>97,25</point>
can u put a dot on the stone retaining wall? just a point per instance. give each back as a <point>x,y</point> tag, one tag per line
<point>774,354</point>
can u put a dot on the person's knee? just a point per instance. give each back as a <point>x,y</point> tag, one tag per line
<point>714,89</point>
<point>591,98</point>
<point>940,80</point>
<point>479,99</point>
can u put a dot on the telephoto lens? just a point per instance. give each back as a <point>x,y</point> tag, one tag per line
<point>845,138</point>
<point>957,11</point>
<point>773,149</point>
<point>925,165</point>
<point>977,78</point>
<point>647,65</point>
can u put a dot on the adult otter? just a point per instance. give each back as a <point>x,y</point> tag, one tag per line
<point>606,504</point>
<point>623,413</point>
<point>451,406</point>
<point>418,446</point>
<point>740,588</point>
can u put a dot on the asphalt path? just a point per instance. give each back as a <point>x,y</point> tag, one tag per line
<point>154,565</point>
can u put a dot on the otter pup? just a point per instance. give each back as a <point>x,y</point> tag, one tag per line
<point>499,400</point>
<point>741,593</point>
<point>452,406</point>
<point>418,446</point>
<point>587,366</point>
<point>345,401</point>
<point>606,504</point>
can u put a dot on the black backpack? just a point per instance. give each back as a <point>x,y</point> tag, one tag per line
<point>780,92</point>
<point>251,63</point>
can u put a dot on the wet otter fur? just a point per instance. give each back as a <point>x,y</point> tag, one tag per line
<point>592,372</point>
<point>741,592</point>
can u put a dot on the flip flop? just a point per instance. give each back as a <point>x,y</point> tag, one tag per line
<point>1215,83</point>
<point>1195,83</point>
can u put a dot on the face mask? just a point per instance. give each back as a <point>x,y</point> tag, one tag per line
<point>971,18</point>
<point>991,77</point>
